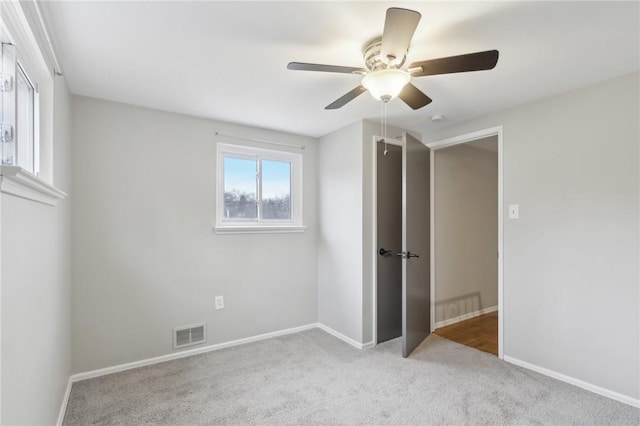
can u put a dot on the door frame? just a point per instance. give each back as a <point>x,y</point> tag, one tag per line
<point>374,262</point>
<point>457,140</point>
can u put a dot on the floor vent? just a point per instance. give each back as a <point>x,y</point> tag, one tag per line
<point>189,335</point>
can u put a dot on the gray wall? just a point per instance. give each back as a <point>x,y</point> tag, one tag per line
<point>466,229</point>
<point>340,231</point>
<point>346,250</point>
<point>146,258</point>
<point>36,290</point>
<point>571,260</point>
<point>369,253</point>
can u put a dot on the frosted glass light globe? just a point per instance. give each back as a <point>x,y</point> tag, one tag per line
<point>386,84</point>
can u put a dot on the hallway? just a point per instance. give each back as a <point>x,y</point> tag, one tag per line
<point>480,332</point>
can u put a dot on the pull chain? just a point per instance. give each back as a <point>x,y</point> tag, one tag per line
<point>384,127</point>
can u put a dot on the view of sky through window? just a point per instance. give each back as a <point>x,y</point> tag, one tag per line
<point>240,188</point>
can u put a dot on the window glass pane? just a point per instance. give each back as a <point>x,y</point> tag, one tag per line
<point>7,109</point>
<point>276,189</point>
<point>24,121</point>
<point>240,188</point>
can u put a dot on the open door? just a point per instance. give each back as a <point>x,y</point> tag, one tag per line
<point>415,245</point>
<point>389,237</point>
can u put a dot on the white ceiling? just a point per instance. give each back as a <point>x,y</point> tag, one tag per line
<point>227,60</point>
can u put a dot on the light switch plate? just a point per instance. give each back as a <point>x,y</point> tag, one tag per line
<point>514,211</point>
<point>219,302</point>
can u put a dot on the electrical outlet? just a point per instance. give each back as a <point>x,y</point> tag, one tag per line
<point>219,302</point>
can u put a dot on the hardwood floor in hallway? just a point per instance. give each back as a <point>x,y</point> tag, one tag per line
<point>480,332</point>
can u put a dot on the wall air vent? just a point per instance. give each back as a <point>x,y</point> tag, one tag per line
<point>189,335</point>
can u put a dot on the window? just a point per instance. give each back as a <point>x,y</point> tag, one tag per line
<point>19,101</point>
<point>26,97</point>
<point>259,190</point>
<point>25,103</point>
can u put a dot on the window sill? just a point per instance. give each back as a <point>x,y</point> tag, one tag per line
<point>259,229</point>
<point>16,181</point>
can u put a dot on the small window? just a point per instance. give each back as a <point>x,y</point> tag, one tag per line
<point>25,104</point>
<point>19,99</point>
<point>259,190</point>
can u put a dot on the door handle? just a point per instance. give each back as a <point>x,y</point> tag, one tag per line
<point>383,252</point>
<point>407,255</point>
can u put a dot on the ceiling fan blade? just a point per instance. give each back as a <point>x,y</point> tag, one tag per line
<point>462,63</point>
<point>414,97</point>
<point>399,27</point>
<point>301,66</point>
<point>342,101</point>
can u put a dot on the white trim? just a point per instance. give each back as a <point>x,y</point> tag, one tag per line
<point>374,233</point>
<point>432,242</point>
<point>468,137</point>
<point>17,24</point>
<point>15,15</point>
<point>389,141</point>
<point>65,402</point>
<point>500,244</point>
<point>367,345</point>
<point>290,145</point>
<point>183,354</point>
<point>1,286</point>
<point>16,181</point>
<point>230,225</point>
<point>344,338</point>
<point>576,382</point>
<point>57,68</point>
<point>466,316</point>
<point>263,229</point>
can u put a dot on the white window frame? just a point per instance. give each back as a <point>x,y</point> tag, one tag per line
<point>30,60</point>
<point>37,185</point>
<point>35,134</point>
<point>259,225</point>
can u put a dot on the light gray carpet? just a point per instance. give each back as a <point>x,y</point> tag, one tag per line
<point>314,378</point>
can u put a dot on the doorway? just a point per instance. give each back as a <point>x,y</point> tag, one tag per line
<point>466,244</point>
<point>389,238</point>
<point>466,236</point>
<point>402,266</point>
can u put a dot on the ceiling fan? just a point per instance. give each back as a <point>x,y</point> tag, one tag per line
<point>384,57</point>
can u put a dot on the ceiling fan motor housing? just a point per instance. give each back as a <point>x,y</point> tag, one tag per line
<point>373,58</point>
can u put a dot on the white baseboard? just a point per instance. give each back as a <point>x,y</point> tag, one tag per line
<point>576,382</point>
<point>344,338</point>
<point>65,401</point>
<point>466,316</point>
<point>183,354</point>
<point>163,358</point>
<point>156,360</point>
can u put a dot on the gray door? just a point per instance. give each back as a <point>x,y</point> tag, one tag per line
<point>389,236</point>
<point>416,245</point>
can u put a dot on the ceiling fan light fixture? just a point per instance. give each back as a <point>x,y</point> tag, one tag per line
<point>386,84</point>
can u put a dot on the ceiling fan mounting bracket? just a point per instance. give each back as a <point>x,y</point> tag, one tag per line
<point>373,58</point>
